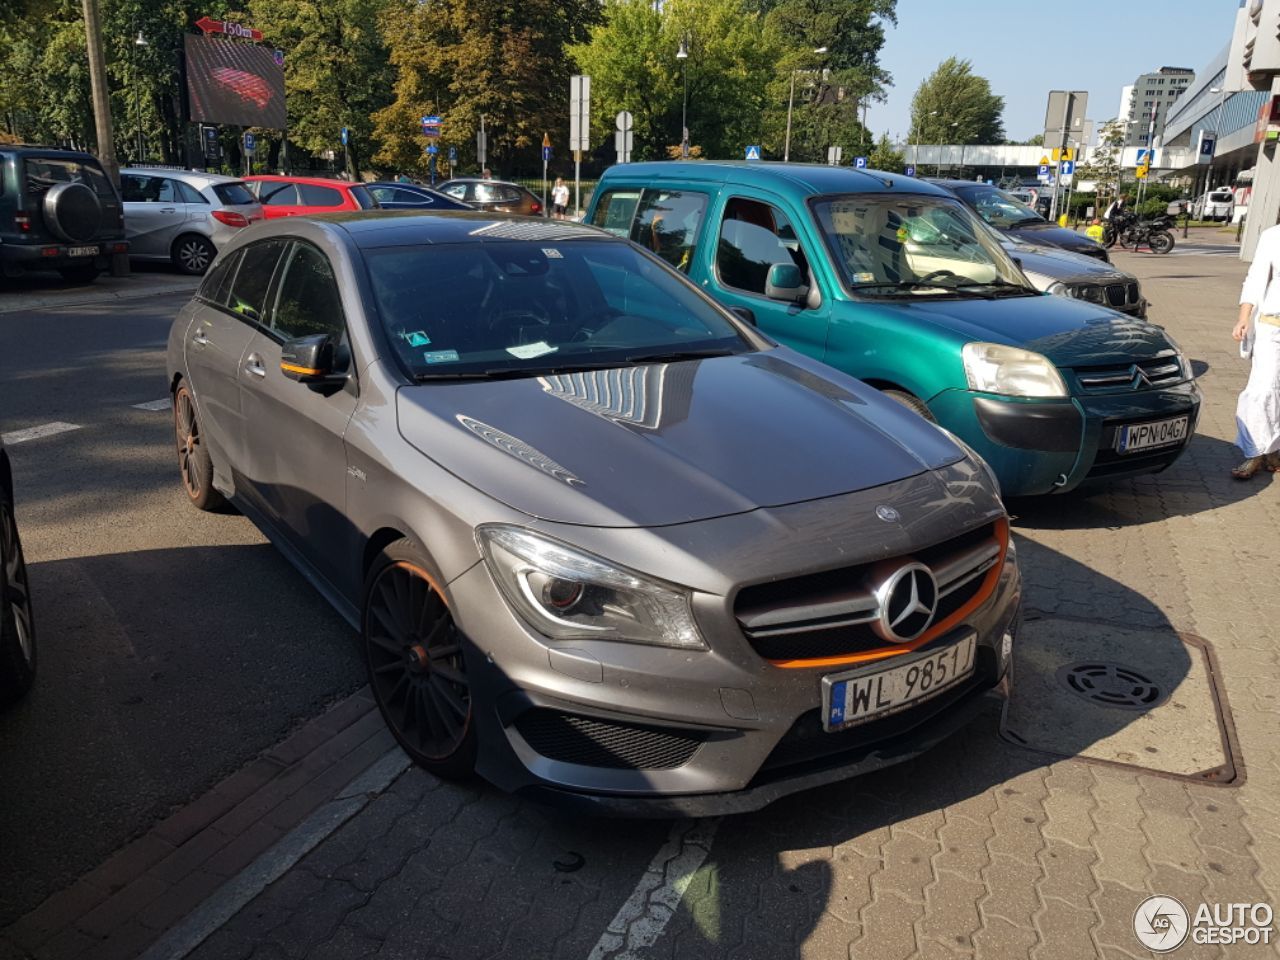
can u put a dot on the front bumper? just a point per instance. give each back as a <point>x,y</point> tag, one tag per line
<point>722,730</point>
<point>1039,447</point>
<point>15,258</point>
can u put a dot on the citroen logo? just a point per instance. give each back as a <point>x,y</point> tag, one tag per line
<point>887,514</point>
<point>907,600</point>
<point>1140,378</point>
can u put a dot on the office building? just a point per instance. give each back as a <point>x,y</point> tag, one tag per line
<point>1152,95</point>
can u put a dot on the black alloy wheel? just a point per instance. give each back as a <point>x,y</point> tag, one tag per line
<point>192,254</point>
<point>417,667</point>
<point>194,463</point>
<point>17,625</point>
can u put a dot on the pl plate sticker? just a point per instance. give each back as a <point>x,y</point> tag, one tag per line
<point>864,277</point>
<point>527,351</point>
<point>440,356</point>
<point>418,339</point>
<point>551,253</point>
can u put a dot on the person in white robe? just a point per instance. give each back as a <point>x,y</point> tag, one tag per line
<point>1258,329</point>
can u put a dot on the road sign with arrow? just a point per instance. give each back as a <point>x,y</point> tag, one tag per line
<point>229,28</point>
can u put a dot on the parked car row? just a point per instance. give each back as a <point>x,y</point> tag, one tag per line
<point>680,510</point>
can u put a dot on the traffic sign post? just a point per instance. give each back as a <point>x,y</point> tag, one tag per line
<point>911,171</point>
<point>344,136</point>
<point>431,126</point>
<point>623,139</point>
<point>250,145</point>
<point>579,130</point>
<point>546,156</point>
<point>482,145</point>
<point>753,152</point>
<point>228,28</point>
<point>453,158</point>
<point>860,163</point>
<point>833,155</point>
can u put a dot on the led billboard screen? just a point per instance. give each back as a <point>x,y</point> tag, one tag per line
<point>238,84</point>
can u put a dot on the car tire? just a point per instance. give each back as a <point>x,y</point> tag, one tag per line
<point>17,626</point>
<point>912,403</point>
<point>191,254</point>
<point>417,662</point>
<point>195,466</point>
<point>1161,241</point>
<point>79,275</point>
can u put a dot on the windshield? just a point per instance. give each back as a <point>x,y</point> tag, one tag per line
<point>518,308</point>
<point>907,244</point>
<point>998,208</point>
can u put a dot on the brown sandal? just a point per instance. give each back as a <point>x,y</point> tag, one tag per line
<point>1273,462</point>
<point>1249,467</point>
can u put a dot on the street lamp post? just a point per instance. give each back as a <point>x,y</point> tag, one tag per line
<point>683,56</point>
<point>791,100</point>
<point>138,41</point>
<point>954,124</point>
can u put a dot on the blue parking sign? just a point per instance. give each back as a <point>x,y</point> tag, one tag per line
<point>453,154</point>
<point>250,143</point>
<point>911,171</point>
<point>860,163</point>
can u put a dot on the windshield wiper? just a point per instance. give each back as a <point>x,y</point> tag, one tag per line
<point>1000,286</point>
<point>515,373</point>
<point>1028,222</point>
<point>675,356</point>
<point>915,285</point>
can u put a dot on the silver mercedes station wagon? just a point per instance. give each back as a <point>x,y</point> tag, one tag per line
<point>604,542</point>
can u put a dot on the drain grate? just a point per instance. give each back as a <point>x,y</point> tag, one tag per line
<point>1111,685</point>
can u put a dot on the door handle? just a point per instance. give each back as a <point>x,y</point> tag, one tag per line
<point>253,365</point>
<point>199,339</point>
<point>168,210</point>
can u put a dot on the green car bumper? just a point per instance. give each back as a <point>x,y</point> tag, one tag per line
<point>1038,446</point>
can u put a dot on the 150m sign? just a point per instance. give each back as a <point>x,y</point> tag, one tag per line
<point>228,27</point>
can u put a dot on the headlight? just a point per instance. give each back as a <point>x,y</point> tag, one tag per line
<point>1058,289</point>
<point>565,593</point>
<point>1088,291</point>
<point>996,368</point>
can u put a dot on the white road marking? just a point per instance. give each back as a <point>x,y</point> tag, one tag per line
<point>154,405</point>
<point>653,903</point>
<point>36,433</point>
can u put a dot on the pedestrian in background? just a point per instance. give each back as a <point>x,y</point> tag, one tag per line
<point>560,198</point>
<point>1258,331</point>
<point>1095,231</point>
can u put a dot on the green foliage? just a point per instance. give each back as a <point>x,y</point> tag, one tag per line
<point>954,105</point>
<point>884,157</point>
<point>1103,165</point>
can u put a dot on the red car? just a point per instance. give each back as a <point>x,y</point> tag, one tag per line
<point>294,196</point>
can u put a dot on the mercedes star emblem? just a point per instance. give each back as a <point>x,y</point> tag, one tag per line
<point>908,600</point>
<point>888,514</point>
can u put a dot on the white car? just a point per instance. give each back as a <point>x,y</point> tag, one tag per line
<point>182,216</point>
<point>1216,204</point>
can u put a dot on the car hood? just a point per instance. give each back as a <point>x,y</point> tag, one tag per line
<point>1060,264</point>
<point>1052,235</point>
<point>1069,332</point>
<point>659,444</point>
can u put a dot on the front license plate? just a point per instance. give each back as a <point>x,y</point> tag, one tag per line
<point>82,251</point>
<point>1158,433</point>
<point>855,697</point>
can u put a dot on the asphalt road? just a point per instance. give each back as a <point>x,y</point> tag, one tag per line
<point>174,645</point>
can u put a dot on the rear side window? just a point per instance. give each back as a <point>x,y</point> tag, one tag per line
<point>308,302</point>
<point>234,194</point>
<point>616,210</point>
<point>317,196</point>
<point>188,193</point>
<point>44,172</point>
<point>217,282</point>
<point>364,199</point>
<point>253,279</point>
<point>667,223</point>
<point>278,194</point>
<point>458,190</point>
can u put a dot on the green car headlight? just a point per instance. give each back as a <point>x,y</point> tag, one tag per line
<point>1011,371</point>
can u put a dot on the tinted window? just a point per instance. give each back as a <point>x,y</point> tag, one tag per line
<point>253,279</point>
<point>217,282</point>
<point>308,301</point>
<point>753,237</point>
<point>188,193</point>
<point>364,199</point>
<point>278,194</point>
<point>314,195</point>
<point>616,210</point>
<point>385,194</point>
<point>458,190</point>
<point>667,223</point>
<point>527,306</point>
<point>234,194</point>
<point>998,208</point>
<point>43,172</point>
<point>140,188</point>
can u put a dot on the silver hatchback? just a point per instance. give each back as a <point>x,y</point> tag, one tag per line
<point>182,216</point>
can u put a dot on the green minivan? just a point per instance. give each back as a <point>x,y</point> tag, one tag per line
<point>894,281</point>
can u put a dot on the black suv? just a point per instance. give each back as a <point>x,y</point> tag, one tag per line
<point>58,211</point>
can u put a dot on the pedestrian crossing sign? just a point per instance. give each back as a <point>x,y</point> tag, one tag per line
<point>753,153</point>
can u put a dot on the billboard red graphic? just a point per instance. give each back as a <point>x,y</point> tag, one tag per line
<point>234,83</point>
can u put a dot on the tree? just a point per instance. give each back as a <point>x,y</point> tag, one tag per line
<point>884,157</point>
<point>954,105</point>
<point>1103,165</point>
<point>631,59</point>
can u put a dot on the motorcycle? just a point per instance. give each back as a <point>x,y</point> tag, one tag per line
<point>1129,231</point>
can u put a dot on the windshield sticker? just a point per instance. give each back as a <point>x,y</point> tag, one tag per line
<point>440,356</point>
<point>527,351</point>
<point>864,277</point>
<point>417,339</point>
<point>551,253</point>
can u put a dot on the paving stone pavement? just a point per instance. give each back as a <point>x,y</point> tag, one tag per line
<point>980,849</point>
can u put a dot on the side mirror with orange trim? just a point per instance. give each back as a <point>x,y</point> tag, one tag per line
<point>307,359</point>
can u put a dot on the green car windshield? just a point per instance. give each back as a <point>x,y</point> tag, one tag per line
<point>519,309</point>
<point>911,245</point>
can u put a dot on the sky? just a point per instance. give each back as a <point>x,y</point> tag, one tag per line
<point>1025,49</point>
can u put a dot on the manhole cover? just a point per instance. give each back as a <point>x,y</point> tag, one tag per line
<point>1110,684</point>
